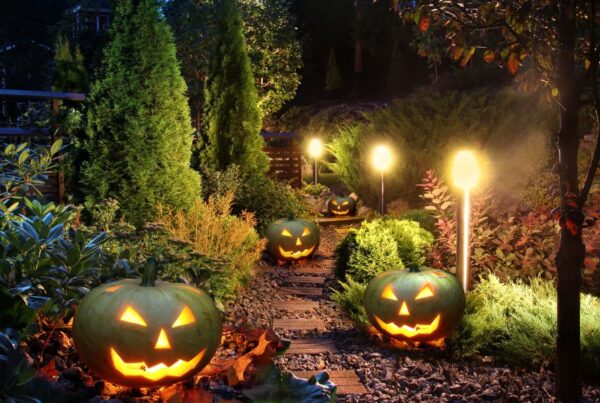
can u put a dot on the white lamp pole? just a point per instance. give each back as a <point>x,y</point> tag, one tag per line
<point>382,161</point>
<point>465,175</point>
<point>315,150</point>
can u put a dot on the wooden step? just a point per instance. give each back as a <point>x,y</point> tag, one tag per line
<point>299,305</point>
<point>345,220</point>
<point>304,280</point>
<point>310,291</point>
<point>312,346</point>
<point>347,381</point>
<point>313,270</point>
<point>299,324</point>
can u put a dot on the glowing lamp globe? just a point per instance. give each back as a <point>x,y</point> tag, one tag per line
<point>382,158</point>
<point>315,148</point>
<point>465,170</point>
<point>415,305</point>
<point>148,334</point>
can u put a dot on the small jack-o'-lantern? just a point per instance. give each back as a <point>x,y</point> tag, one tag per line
<point>147,334</point>
<point>415,305</point>
<point>341,205</point>
<point>292,239</point>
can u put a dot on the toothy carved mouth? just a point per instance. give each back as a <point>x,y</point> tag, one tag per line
<point>409,331</point>
<point>296,255</point>
<point>155,372</point>
<point>340,212</point>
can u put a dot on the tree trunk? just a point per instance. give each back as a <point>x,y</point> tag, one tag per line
<point>571,252</point>
<point>360,6</point>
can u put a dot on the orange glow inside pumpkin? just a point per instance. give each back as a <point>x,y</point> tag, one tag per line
<point>424,293</point>
<point>155,372</point>
<point>131,316</point>
<point>404,310</point>
<point>163,341</point>
<point>185,318</point>
<point>296,255</point>
<point>409,331</point>
<point>388,293</point>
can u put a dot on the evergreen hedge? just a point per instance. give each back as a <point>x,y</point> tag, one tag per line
<point>138,131</point>
<point>232,116</point>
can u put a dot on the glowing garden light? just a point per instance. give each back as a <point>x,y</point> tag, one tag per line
<point>382,160</point>
<point>465,175</point>
<point>315,151</point>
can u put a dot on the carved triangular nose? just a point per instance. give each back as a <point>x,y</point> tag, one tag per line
<point>298,242</point>
<point>404,310</point>
<point>163,341</point>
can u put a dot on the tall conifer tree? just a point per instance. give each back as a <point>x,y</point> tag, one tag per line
<point>139,131</point>
<point>232,116</point>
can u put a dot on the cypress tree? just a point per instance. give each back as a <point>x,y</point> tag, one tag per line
<point>69,73</point>
<point>333,80</point>
<point>139,131</point>
<point>232,116</point>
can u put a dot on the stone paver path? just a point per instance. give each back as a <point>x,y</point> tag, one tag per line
<point>309,282</point>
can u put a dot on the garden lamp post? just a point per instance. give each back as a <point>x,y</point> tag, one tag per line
<point>315,150</point>
<point>465,175</point>
<point>382,161</point>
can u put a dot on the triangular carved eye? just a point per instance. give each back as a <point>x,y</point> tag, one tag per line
<point>185,318</point>
<point>345,203</point>
<point>131,316</point>
<point>306,232</point>
<point>388,293</point>
<point>424,293</point>
<point>286,233</point>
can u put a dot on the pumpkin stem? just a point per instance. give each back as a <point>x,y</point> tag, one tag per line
<point>413,268</point>
<point>150,271</point>
<point>291,217</point>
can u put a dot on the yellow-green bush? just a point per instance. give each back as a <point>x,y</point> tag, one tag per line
<point>212,231</point>
<point>516,324</point>
<point>381,245</point>
<point>425,128</point>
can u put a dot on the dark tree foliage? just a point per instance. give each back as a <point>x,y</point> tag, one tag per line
<point>69,73</point>
<point>139,132</point>
<point>271,43</point>
<point>555,42</point>
<point>232,117</point>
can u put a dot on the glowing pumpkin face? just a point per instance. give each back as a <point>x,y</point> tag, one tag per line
<point>292,239</point>
<point>341,205</point>
<point>415,305</point>
<point>146,335</point>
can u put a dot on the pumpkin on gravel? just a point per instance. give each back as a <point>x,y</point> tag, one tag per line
<point>341,205</point>
<point>416,304</point>
<point>292,239</point>
<point>146,334</point>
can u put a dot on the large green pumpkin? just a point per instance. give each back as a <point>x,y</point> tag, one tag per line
<point>415,305</point>
<point>341,205</point>
<point>147,334</point>
<point>292,239</point>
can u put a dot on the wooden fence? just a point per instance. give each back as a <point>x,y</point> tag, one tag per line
<point>283,149</point>
<point>285,157</point>
<point>54,189</point>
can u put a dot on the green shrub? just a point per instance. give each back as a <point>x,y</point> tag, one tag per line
<point>423,217</point>
<point>350,299</point>
<point>381,245</point>
<point>232,116</point>
<point>516,324</point>
<point>315,190</point>
<point>425,128</point>
<point>212,231</point>
<point>268,199</point>
<point>138,120</point>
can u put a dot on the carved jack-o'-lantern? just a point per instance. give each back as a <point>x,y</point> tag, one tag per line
<point>292,239</point>
<point>415,305</point>
<point>341,205</point>
<point>147,334</point>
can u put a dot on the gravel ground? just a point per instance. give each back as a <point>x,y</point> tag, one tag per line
<point>390,374</point>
